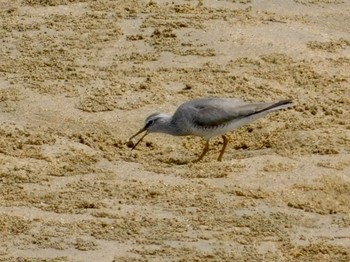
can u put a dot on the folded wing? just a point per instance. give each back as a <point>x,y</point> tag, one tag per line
<point>213,114</point>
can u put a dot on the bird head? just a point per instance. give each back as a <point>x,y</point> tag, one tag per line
<point>153,123</point>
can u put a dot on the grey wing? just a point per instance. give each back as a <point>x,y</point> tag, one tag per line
<point>215,113</point>
<point>215,116</point>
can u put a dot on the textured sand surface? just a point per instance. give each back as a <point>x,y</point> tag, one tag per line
<point>78,78</point>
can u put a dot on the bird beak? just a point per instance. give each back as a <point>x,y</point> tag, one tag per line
<point>142,130</point>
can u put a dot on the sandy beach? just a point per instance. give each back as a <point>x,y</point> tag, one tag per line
<point>78,78</point>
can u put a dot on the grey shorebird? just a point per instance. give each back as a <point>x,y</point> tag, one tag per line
<point>208,118</point>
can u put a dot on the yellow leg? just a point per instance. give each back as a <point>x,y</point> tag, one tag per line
<point>205,150</point>
<point>223,147</point>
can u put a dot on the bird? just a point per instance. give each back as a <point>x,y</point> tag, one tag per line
<point>208,118</point>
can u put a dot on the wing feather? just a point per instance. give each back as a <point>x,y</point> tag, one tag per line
<point>213,112</point>
<point>216,114</point>
<point>211,116</point>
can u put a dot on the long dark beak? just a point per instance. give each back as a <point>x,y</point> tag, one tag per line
<point>142,130</point>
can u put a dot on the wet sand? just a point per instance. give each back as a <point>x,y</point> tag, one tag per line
<point>78,78</point>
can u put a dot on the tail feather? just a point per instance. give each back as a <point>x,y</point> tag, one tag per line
<point>283,104</point>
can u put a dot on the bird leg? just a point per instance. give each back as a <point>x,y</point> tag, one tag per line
<point>223,147</point>
<point>205,150</point>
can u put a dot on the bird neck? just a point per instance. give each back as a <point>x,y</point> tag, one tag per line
<point>167,126</point>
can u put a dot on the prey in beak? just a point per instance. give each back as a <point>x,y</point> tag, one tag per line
<point>142,130</point>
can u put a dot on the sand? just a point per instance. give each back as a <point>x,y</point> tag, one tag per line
<point>78,78</point>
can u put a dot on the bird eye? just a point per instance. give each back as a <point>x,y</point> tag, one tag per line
<point>149,123</point>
